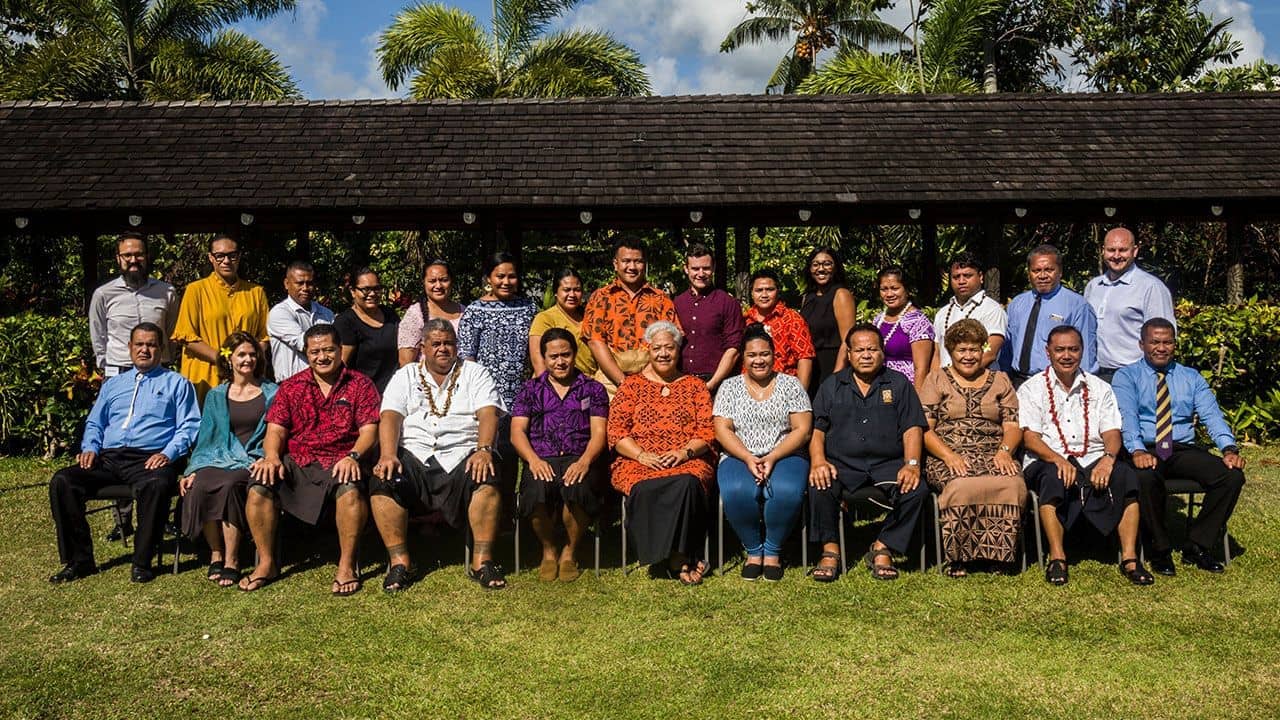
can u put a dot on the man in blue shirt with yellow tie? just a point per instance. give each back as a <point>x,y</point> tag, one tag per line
<point>1159,400</point>
<point>1037,311</point>
<point>143,421</point>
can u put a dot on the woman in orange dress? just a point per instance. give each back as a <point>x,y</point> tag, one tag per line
<point>660,427</point>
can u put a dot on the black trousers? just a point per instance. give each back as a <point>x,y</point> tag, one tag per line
<point>72,486</point>
<point>1222,489</point>
<point>899,524</point>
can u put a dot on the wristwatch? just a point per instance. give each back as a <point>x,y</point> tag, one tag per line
<point>485,448</point>
<point>1006,448</point>
<point>1231,449</point>
<point>354,455</point>
<point>688,453</point>
<point>913,462</point>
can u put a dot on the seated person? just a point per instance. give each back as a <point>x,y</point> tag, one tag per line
<point>230,440</point>
<point>144,420</point>
<point>558,426</point>
<point>660,428</point>
<point>762,422</point>
<point>1071,429</point>
<point>439,419</point>
<point>973,433</point>
<point>868,429</point>
<point>320,426</point>
<point>1162,446</point>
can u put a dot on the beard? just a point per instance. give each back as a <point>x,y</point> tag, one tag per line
<point>134,277</point>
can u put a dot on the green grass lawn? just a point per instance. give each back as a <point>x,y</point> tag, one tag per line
<point>986,646</point>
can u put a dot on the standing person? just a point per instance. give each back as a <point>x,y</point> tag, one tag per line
<point>829,309</point>
<point>1037,311</point>
<point>1124,297</point>
<point>970,300</point>
<point>292,317</point>
<point>792,347</point>
<point>437,301</point>
<point>213,308</point>
<point>1071,429</point>
<point>1160,400</point>
<point>565,314</point>
<point>368,330</point>
<point>908,334</point>
<point>494,330</point>
<point>712,322</point>
<point>868,429</point>
<point>143,421</point>
<point>230,440</point>
<point>559,425</point>
<point>762,421</point>
<point>616,316</point>
<point>115,309</point>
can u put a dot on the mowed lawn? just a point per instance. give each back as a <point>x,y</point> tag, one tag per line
<point>1196,646</point>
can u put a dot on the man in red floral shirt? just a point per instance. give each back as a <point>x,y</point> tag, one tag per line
<point>319,428</point>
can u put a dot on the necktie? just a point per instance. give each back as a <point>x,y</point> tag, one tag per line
<point>1029,337</point>
<point>137,380</point>
<point>1164,419</point>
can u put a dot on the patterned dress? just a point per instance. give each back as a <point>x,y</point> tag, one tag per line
<point>495,333</point>
<point>981,514</point>
<point>912,326</point>
<point>659,423</point>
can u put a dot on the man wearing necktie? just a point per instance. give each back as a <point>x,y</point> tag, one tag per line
<point>143,421</point>
<point>1159,400</point>
<point>1044,307</point>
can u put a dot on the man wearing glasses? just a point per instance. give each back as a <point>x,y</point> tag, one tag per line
<point>212,308</point>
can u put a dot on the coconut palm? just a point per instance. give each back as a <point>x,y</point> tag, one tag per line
<point>443,53</point>
<point>147,50</point>
<point>816,25</point>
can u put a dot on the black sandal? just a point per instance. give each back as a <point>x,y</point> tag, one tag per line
<point>829,574</point>
<point>1055,573</point>
<point>398,578</point>
<point>489,576</point>
<point>229,577</point>
<point>880,572</point>
<point>215,571</point>
<point>1137,574</point>
<point>956,569</point>
<point>688,572</point>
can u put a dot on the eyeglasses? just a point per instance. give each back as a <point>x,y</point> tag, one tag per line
<point>370,290</point>
<point>132,256</point>
<point>225,256</point>
<point>827,264</point>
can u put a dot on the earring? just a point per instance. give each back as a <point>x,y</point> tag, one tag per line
<point>488,288</point>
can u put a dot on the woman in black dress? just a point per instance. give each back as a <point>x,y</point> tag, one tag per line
<point>828,308</point>
<point>368,330</point>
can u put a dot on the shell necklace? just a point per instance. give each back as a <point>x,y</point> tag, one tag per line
<point>450,384</point>
<point>893,328</point>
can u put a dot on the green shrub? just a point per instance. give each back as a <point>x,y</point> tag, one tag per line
<point>47,382</point>
<point>1236,348</point>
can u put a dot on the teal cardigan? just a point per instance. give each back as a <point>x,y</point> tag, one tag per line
<point>216,446</point>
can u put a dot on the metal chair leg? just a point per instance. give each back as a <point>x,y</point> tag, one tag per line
<point>595,530</point>
<point>844,566</point>
<point>937,535</point>
<point>626,570</point>
<point>517,519</point>
<point>720,535</point>
<point>1035,520</point>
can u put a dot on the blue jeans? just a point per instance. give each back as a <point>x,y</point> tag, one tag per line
<point>780,497</point>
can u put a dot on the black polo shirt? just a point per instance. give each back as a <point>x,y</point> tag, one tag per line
<point>863,432</point>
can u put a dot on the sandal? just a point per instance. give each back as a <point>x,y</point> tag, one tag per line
<point>398,578</point>
<point>1136,574</point>
<point>1055,573</point>
<point>547,570</point>
<point>254,583</point>
<point>956,569</point>
<point>880,572</point>
<point>489,576</point>
<point>228,577</point>
<point>215,571</point>
<point>569,570</point>
<point>346,588</point>
<point>692,574</point>
<point>823,573</point>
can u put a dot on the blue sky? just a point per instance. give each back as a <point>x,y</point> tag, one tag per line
<point>329,44</point>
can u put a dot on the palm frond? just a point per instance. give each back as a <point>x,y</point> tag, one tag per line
<point>756,30</point>
<point>196,19</point>
<point>864,32</point>
<point>455,72</point>
<point>791,71</point>
<point>232,66</point>
<point>855,72</point>
<point>520,22</point>
<point>76,66</point>
<point>953,30</point>
<point>421,32</point>
<point>579,63</point>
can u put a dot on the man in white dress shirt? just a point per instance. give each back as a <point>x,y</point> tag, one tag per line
<point>969,300</point>
<point>1124,297</point>
<point>292,317</point>
<point>1071,431</point>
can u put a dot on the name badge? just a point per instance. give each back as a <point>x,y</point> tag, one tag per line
<point>1057,318</point>
<point>342,401</point>
<point>585,404</point>
<point>886,396</point>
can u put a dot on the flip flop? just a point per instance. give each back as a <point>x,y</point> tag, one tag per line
<point>254,583</point>
<point>215,571</point>
<point>229,577</point>
<point>338,586</point>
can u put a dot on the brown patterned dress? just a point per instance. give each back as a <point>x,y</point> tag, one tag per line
<point>981,514</point>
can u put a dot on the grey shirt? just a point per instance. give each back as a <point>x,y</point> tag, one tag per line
<point>286,324</point>
<point>115,309</point>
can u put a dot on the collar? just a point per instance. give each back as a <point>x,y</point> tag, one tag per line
<point>295,306</point>
<point>693,293</point>
<point>880,378</point>
<point>343,375</point>
<point>1125,278</point>
<point>578,379</point>
<point>146,283</point>
<point>1046,296</point>
<point>976,299</point>
<point>1168,369</point>
<point>777,311</point>
<point>153,372</point>
<point>617,286</point>
<point>1077,381</point>
<point>229,289</point>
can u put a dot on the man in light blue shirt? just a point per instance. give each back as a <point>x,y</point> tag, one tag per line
<point>1123,297</point>
<point>143,421</point>
<point>1042,308</point>
<point>1159,400</point>
<point>290,319</point>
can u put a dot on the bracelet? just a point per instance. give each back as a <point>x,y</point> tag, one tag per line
<point>485,448</point>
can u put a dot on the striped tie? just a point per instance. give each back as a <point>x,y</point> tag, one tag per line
<point>1164,419</point>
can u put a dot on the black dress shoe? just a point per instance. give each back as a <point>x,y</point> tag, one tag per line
<point>1163,565</point>
<point>141,575</point>
<point>71,572</point>
<point>120,532</point>
<point>1202,559</point>
<point>752,571</point>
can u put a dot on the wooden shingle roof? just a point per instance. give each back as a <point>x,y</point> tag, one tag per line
<point>847,159</point>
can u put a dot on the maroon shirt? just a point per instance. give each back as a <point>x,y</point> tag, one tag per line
<point>324,429</point>
<point>712,323</point>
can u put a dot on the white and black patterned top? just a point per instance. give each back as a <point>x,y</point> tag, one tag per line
<point>495,333</point>
<point>761,424</point>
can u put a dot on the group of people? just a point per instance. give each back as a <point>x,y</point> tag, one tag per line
<point>1075,398</point>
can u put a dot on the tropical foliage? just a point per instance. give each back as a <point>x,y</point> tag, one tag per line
<point>442,52</point>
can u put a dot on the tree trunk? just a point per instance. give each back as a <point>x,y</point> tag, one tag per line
<point>929,280</point>
<point>990,82</point>
<point>721,257</point>
<point>741,261</point>
<point>89,264</point>
<point>1235,262</point>
<point>992,254</point>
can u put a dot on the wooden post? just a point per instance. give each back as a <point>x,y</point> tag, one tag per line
<point>721,257</point>
<point>929,282</point>
<point>1235,262</point>
<point>302,243</point>
<point>992,252</point>
<point>741,260</point>
<point>88,264</point>
<point>514,243</point>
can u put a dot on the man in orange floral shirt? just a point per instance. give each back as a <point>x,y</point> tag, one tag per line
<point>793,346</point>
<point>617,314</point>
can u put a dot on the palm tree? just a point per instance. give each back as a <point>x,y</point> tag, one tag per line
<point>448,55</point>
<point>817,25</point>
<point>952,35</point>
<point>146,50</point>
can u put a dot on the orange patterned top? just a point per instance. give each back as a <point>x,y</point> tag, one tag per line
<point>791,340</point>
<point>658,424</point>
<point>618,318</point>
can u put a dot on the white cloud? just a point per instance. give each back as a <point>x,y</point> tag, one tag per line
<point>315,62</point>
<point>1242,27</point>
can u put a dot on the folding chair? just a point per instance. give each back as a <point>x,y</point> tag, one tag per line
<point>1191,488</point>
<point>114,494</point>
<point>873,496</point>
<point>804,535</point>
<point>1022,540</point>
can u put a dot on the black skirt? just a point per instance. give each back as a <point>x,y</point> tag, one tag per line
<point>307,493</point>
<point>424,488</point>
<point>218,496</point>
<point>585,494</point>
<point>1102,508</point>
<point>667,515</point>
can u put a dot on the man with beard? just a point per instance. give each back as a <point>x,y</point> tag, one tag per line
<point>712,321</point>
<point>292,317</point>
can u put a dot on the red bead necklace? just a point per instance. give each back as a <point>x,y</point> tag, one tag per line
<point>1053,414</point>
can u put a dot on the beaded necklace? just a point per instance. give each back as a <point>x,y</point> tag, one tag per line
<point>894,328</point>
<point>1053,414</point>
<point>451,381</point>
<point>946,321</point>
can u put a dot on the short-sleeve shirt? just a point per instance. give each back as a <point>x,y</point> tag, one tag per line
<point>863,432</point>
<point>761,424</point>
<point>981,307</point>
<point>288,323</point>
<point>616,317</point>
<point>555,317</point>
<point>210,311</point>
<point>1036,415</point>
<point>912,327</point>
<point>561,426</point>
<point>712,324</point>
<point>324,429</point>
<point>376,354</point>
<point>449,438</point>
<point>495,333</point>
<point>791,340</point>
